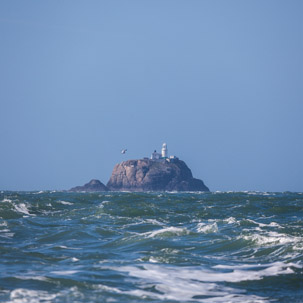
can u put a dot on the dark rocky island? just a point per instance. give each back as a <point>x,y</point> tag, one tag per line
<point>154,175</point>
<point>159,173</point>
<point>92,186</point>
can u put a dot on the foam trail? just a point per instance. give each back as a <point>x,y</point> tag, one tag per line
<point>168,231</point>
<point>7,200</point>
<point>21,295</point>
<point>190,283</point>
<point>65,203</point>
<point>22,208</point>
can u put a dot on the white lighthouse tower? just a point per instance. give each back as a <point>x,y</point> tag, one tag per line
<point>164,151</point>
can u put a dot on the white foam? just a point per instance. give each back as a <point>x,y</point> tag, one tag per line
<point>65,247</point>
<point>185,284</point>
<point>271,224</point>
<point>177,231</point>
<point>29,277</point>
<point>207,228</point>
<point>265,194</point>
<point>4,230</point>
<point>230,220</point>
<point>65,203</point>
<point>107,288</point>
<point>153,221</point>
<point>298,246</point>
<point>272,238</point>
<point>22,208</point>
<point>252,192</point>
<point>7,200</point>
<point>170,251</point>
<point>153,260</point>
<point>258,266</point>
<point>39,192</point>
<point>275,224</point>
<point>103,203</point>
<point>185,295</point>
<point>5,233</point>
<point>21,295</point>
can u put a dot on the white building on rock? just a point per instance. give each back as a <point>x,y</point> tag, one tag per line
<point>155,155</point>
<point>164,151</point>
<point>163,156</point>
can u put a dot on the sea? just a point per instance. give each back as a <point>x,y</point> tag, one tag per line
<point>151,247</point>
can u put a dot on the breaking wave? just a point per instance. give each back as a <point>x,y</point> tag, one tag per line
<point>151,247</point>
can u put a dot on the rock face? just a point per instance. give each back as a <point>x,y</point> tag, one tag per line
<point>151,175</point>
<point>93,185</point>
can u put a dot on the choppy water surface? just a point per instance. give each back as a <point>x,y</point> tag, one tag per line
<point>151,247</point>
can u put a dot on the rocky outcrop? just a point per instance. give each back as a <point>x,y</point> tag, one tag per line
<point>154,175</point>
<point>93,185</point>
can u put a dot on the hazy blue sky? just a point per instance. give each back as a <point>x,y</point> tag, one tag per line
<point>219,81</point>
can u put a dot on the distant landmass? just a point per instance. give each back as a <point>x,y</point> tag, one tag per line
<point>92,186</point>
<point>159,173</point>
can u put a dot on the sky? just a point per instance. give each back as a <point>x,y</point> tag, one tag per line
<point>219,81</point>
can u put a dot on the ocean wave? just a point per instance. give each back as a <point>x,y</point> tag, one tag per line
<point>7,200</point>
<point>154,222</point>
<point>64,272</point>
<point>21,295</point>
<point>66,247</point>
<point>140,222</point>
<point>271,224</point>
<point>4,231</point>
<point>16,205</point>
<point>230,220</point>
<point>151,247</point>
<point>166,232</point>
<point>207,228</point>
<point>274,238</point>
<point>22,208</point>
<point>39,192</point>
<point>30,276</point>
<point>193,283</point>
<point>65,202</point>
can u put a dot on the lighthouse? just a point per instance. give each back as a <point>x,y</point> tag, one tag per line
<point>164,150</point>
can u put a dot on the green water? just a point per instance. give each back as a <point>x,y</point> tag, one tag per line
<point>151,247</point>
